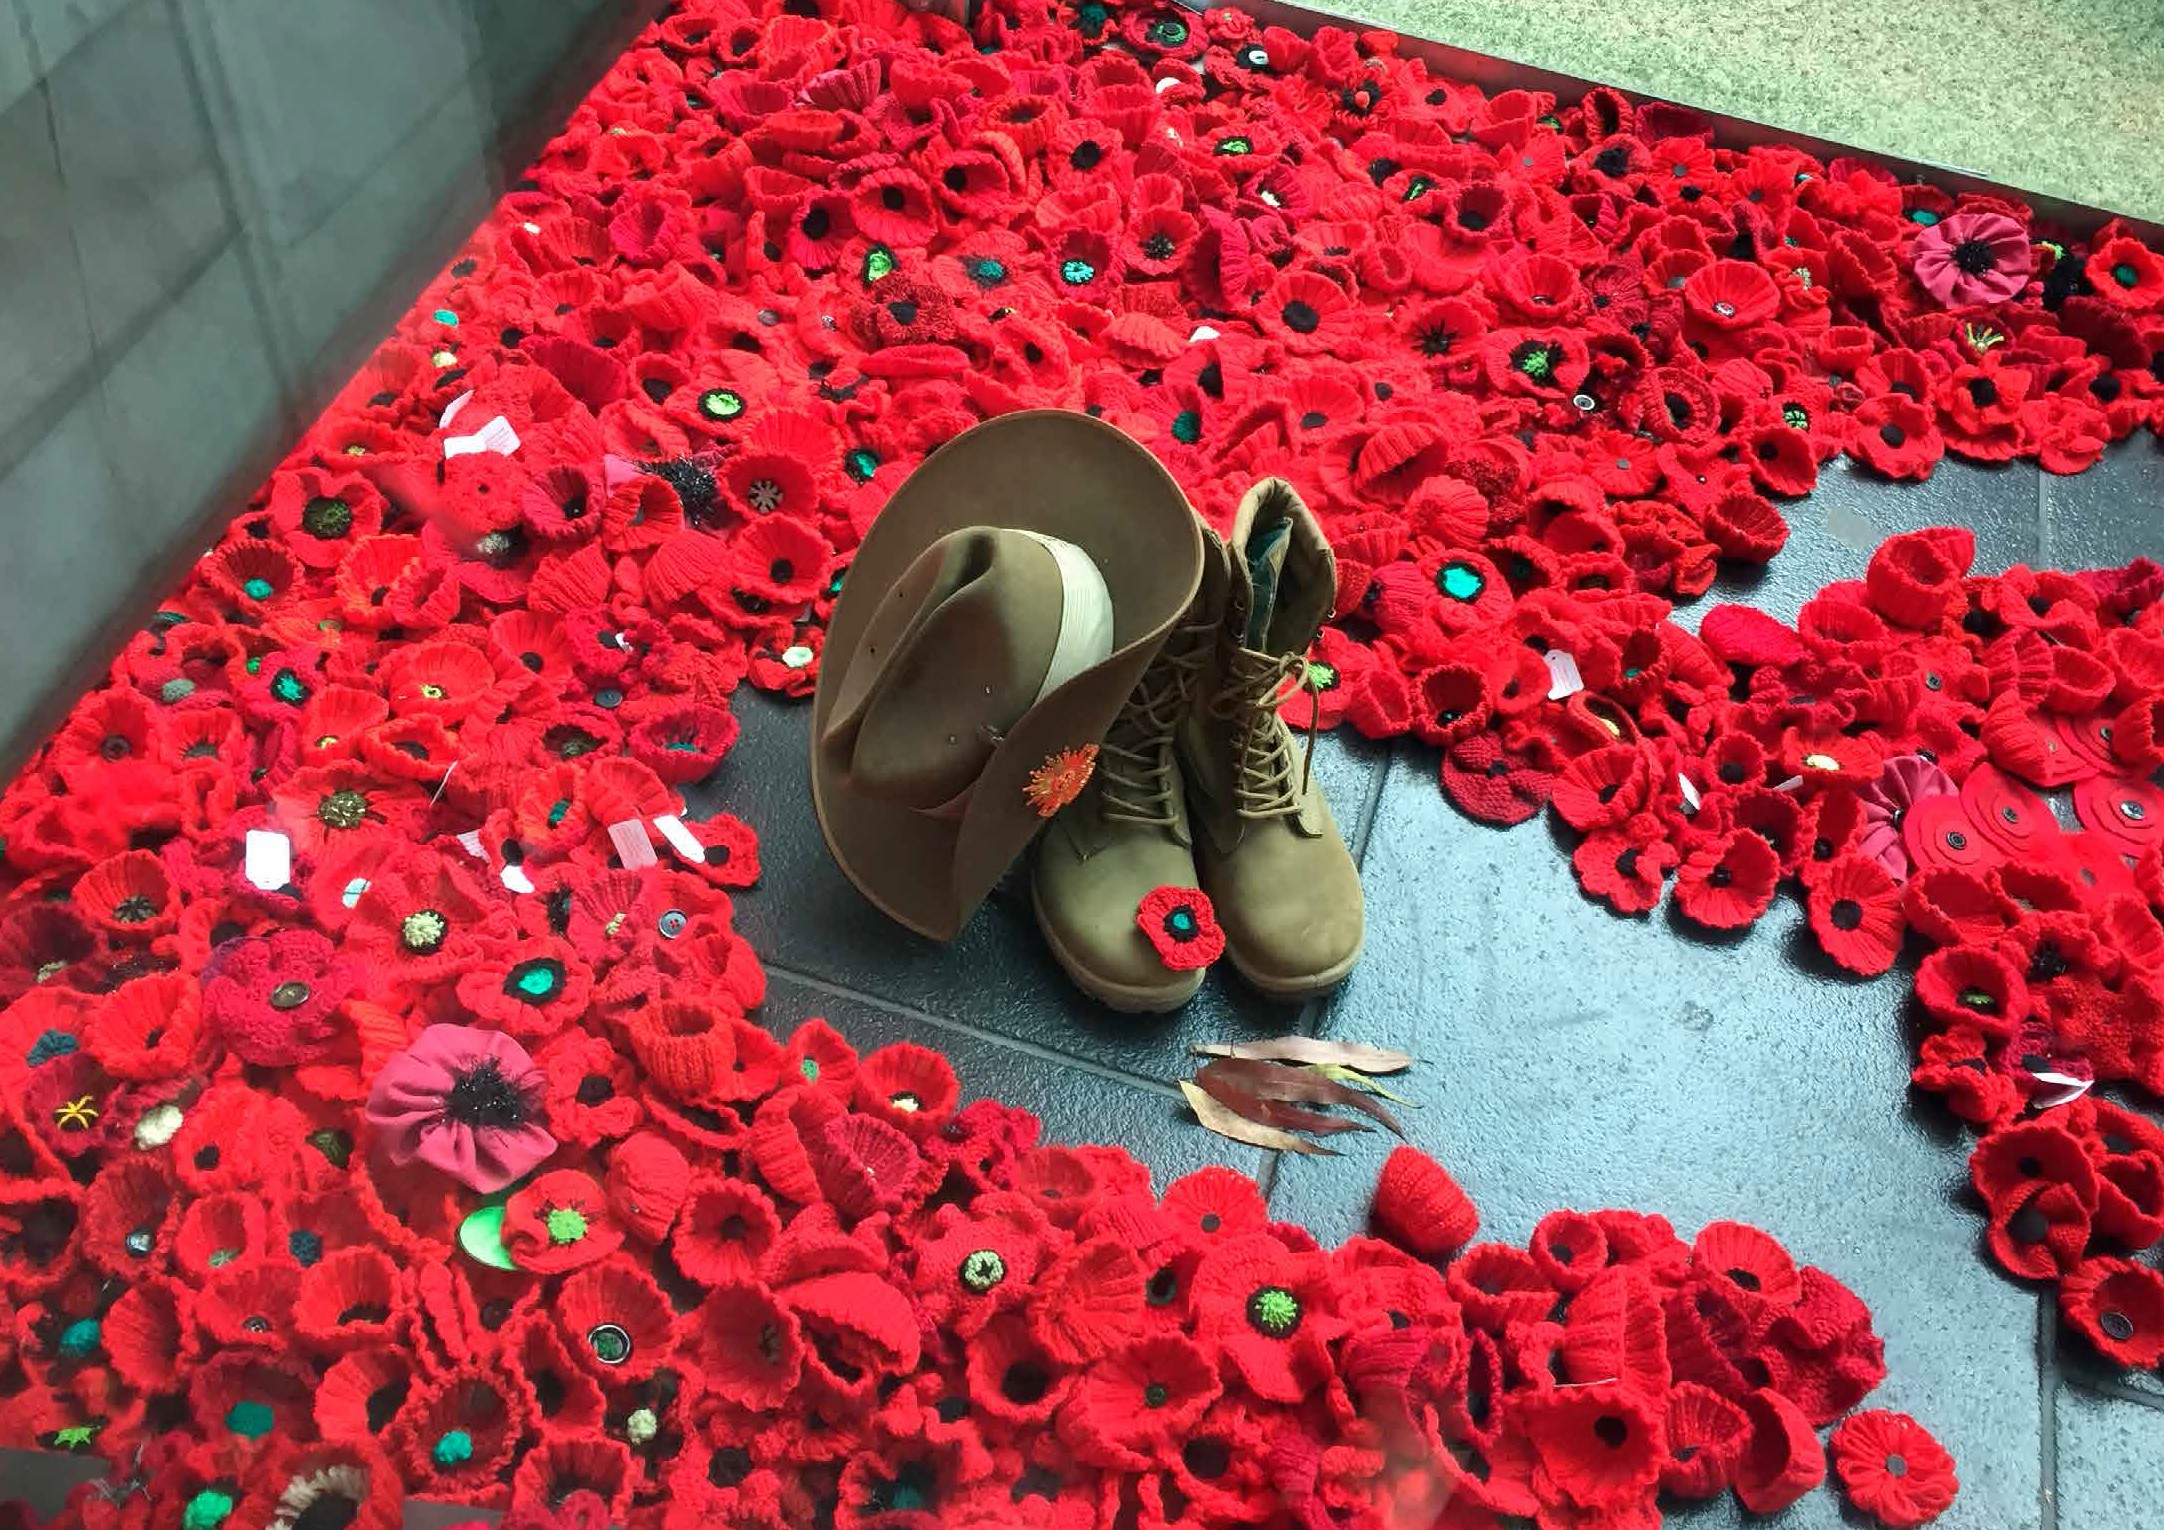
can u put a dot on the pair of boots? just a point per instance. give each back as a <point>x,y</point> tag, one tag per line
<point>1201,783</point>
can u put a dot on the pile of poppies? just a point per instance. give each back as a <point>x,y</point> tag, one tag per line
<point>1895,757</point>
<point>382,1106</point>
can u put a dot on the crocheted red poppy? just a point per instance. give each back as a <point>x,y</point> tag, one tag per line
<point>1420,1207</point>
<point>1706,1437</point>
<point>1782,1460</point>
<point>559,1221</point>
<point>1855,911</point>
<point>1892,1469</point>
<point>1599,1445</point>
<point>2118,1306</point>
<point>1267,1311</point>
<point>1181,927</point>
<point>271,1001</point>
<point>1728,883</point>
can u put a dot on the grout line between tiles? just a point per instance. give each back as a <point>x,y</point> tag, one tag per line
<point>2043,520</point>
<point>977,1032</point>
<point>2107,1386</point>
<point>1371,807</point>
<point>2047,1410</point>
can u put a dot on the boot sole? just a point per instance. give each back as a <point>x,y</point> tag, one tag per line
<point>1118,996</point>
<point>1307,986</point>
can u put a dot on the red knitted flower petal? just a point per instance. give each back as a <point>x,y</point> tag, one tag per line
<point>1892,1469</point>
<point>1181,927</point>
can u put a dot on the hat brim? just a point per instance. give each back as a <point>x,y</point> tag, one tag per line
<point>1053,471</point>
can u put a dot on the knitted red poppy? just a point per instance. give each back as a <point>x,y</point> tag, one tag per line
<point>1420,1207</point>
<point>1892,1469</point>
<point>1855,911</point>
<point>1730,882</point>
<point>1181,927</point>
<point>559,1221</point>
<point>2118,1306</point>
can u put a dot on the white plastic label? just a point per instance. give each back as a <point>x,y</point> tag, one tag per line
<point>2059,1089</point>
<point>1563,677</point>
<point>633,847</point>
<point>496,436</point>
<point>354,889</point>
<point>1789,785</point>
<point>1202,332</point>
<point>680,838</point>
<point>515,878</point>
<point>471,839</point>
<point>450,410</point>
<point>1690,793</point>
<point>268,859</point>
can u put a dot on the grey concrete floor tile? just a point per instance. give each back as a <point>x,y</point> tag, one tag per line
<point>2110,1453</point>
<point>43,1478</point>
<point>1571,1058</point>
<point>144,192</point>
<point>317,98</point>
<point>996,975</point>
<point>2111,514</point>
<point>44,312</point>
<point>1151,1122</point>
<point>1833,532</point>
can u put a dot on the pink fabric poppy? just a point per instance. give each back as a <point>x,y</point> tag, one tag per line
<point>1903,781</point>
<point>465,1101</point>
<point>1972,258</point>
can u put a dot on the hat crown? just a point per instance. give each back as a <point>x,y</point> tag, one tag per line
<point>958,650</point>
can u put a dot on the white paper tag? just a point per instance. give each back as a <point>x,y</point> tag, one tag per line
<point>268,859</point>
<point>440,785</point>
<point>450,410</point>
<point>1563,677</point>
<point>1166,84</point>
<point>2062,1089</point>
<point>633,847</point>
<point>354,889</point>
<point>1789,785</point>
<point>1690,793</point>
<point>515,878</point>
<point>1202,332</point>
<point>471,839</point>
<point>681,839</point>
<point>496,436</point>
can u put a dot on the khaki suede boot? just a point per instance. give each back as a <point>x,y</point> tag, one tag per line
<point>1128,832</point>
<point>1283,884</point>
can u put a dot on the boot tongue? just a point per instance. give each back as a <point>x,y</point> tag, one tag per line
<point>1266,548</point>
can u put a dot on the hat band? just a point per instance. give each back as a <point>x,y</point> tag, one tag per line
<point>1085,614</point>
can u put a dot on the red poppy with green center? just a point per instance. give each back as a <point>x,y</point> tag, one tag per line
<point>1181,927</point>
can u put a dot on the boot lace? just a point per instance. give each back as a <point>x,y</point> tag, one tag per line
<point>1135,762</point>
<point>1268,785</point>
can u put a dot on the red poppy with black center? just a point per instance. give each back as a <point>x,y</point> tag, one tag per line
<point>1488,782</point>
<point>1159,241</point>
<point>1181,927</point>
<point>1730,882</point>
<point>1892,1469</point>
<point>1896,436</point>
<point>1627,867</point>
<point>1855,911</point>
<point>2118,1306</point>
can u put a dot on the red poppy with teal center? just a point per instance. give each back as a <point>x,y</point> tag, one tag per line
<point>1181,927</point>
